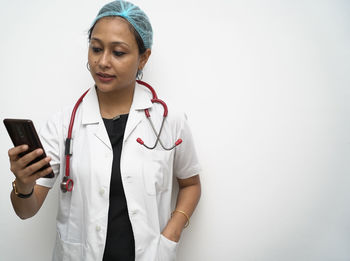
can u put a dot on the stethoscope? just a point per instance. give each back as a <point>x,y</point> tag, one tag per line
<point>67,183</point>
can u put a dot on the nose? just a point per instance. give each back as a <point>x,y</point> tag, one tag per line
<point>104,61</point>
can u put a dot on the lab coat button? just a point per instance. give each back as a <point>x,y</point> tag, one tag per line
<point>102,192</point>
<point>128,179</point>
<point>98,228</point>
<point>133,212</point>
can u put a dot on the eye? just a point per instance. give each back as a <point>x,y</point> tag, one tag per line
<point>116,53</point>
<point>96,49</point>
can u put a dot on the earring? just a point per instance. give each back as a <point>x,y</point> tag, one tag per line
<point>139,75</point>
<point>88,66</point>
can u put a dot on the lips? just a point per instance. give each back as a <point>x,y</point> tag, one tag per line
<point>105,77</point>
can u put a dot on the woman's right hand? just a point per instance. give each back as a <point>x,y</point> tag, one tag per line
<point>25,177</point>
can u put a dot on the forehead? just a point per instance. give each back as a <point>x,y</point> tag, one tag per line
<point>113,29</point>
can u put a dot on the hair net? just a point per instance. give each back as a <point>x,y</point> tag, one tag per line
<point>133,14</point>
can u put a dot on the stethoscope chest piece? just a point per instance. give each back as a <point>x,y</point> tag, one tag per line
<point>66,184</point>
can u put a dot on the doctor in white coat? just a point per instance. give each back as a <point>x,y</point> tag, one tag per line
<point>120,206</point>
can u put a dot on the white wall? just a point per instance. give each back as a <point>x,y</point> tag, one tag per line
<point>266,87</point>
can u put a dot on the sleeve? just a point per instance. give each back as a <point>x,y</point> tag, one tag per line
<point>186,162</point>
<point>50,139</point>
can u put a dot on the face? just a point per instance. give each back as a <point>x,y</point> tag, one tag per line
<point>114,57</point>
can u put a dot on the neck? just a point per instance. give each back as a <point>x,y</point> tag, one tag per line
<point>115,103</point>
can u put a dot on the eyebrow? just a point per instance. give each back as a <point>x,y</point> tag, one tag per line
<point>114,43</point>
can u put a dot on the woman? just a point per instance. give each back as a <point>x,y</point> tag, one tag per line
<point>120,206</point>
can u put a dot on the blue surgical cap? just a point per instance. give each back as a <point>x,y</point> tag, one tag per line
<point>133,14</point>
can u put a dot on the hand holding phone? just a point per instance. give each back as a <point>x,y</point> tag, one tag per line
<point>28,158</point>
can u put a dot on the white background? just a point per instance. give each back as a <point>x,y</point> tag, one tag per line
<point>265,85</point>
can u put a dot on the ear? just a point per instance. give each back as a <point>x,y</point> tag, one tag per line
<point>144,58</point>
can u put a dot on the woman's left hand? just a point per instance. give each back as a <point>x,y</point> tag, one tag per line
<point>171,235</point>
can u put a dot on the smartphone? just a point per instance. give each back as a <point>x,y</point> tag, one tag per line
<point>22,131</point>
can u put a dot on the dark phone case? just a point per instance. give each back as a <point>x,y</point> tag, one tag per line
<point>23,132</point>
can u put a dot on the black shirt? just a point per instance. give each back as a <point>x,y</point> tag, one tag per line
<point>120,244</point>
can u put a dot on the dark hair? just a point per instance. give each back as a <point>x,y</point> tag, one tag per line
<point>138,38</point>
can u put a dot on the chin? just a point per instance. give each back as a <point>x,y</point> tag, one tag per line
<point>106,88</point>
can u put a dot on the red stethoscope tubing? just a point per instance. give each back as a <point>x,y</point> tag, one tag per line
<point>67,183</point>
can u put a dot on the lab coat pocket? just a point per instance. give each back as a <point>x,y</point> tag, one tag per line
<point>166,249</point>
<point>156,171</point>
<point>67,251</point>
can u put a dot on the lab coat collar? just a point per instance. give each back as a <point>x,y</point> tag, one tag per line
<point>90,108</point>
<point>141,101</point>
<point>91,112</point>
<point>142,98</point>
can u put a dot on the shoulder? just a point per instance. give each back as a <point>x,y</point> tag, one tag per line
<point>175,114</point>
<point>64,112</point>
<point>60,115</point>
<point>59,120</point>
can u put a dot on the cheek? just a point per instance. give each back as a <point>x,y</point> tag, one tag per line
<point>89,55</point>
<point>91,59</point>
<point>128,66</point>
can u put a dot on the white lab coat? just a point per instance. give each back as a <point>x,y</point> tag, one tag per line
<point>147,177</point>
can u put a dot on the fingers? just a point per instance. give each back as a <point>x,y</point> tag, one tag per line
<point>36,166</point>
<point>19,165</point>
<point>26,159</point>
<point>27,182</point>
<point>26,175</point>
<point>13,153</point>
<point>40,174</point>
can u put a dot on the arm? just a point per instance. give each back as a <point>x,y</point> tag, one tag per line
<point>25,181</point>
<point>28,207</point>
<point>187,199</point>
